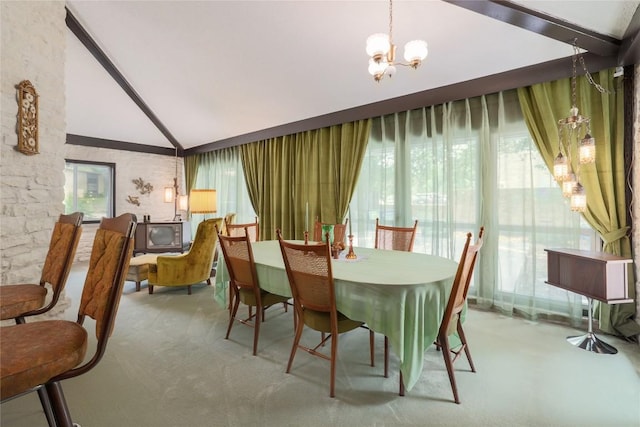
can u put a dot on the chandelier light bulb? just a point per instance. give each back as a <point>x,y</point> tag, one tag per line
<point>587,151</point>
<point>415,52</point>
<point>560,168</point>
<point>578,199</point>
<point>378,46</point>
<point>377,69</point>
<point>568,184</point>
<point>390,71</point>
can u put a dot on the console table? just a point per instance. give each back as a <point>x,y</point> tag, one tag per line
<point>596,275</point>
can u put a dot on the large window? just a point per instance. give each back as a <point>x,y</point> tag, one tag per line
<point>89,188</point>
<point>464,164</point>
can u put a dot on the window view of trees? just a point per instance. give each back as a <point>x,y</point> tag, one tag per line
<point>89,188</point>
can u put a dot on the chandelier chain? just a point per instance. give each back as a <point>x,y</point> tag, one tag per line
<point>592,82</point>
<point>391,21</point>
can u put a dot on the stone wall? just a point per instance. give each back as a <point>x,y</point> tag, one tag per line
<point>32,47</point>
<point>158,170</point>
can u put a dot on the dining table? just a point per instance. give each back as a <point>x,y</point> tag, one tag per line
<point>401,295</point>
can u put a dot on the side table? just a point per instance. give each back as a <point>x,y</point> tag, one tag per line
<point>596,275</point>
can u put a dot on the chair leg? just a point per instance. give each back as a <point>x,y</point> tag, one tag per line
<point>59,405</point>
<point>446,353</point>
<point>256,327</point>
<point>371,349</point>
<point>401,388</point>
<point>232,317</point>
<point>463,338</point>
<point>150,289</point>
<point>189,290</point>
<point>46,406</point>
<point>296,341</point>
<point>386,357</point>
<point>334,353</point>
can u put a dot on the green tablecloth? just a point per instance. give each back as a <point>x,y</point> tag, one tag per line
<point>402,295</point>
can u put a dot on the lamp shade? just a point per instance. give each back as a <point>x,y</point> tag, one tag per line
<point>415,51</point>
<point>203,201</point>
<point>378,45</point>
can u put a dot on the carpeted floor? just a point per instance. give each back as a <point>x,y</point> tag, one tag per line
<point>168,365</point>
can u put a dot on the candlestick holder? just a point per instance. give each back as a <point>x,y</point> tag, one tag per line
<point>351,254</point>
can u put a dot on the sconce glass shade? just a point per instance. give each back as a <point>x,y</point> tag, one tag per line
<point>183,203</point>
<point>203,201</point>
<point>378,46</point>
<point>415,52</point>
<point>578,199</point>
<point>587,149</point>
<point>560,168</point>
<point>168,194</point>
<point>568,184</point>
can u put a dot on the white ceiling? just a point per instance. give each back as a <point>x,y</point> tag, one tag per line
<point>212,70</point>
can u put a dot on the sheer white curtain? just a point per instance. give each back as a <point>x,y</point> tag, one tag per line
<point>465,164</point>
<point>222,171</point>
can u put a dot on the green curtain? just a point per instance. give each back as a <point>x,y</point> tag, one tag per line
<point>295,178</point>
<point>191,164</point>
<point>543,105</point>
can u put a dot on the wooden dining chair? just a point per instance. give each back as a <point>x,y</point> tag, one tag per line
<point>40,355</point>
<point>451,321</point>
<point>310,276</point>
<point>252,229</point>
<point>395,238</point>
<point>244,285</point>
<point>339,231</point>
<point>18,301</point>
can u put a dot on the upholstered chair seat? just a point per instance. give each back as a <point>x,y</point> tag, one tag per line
<point>31,342</point>
<point>20,299</point>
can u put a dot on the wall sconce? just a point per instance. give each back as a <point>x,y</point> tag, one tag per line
<point>168,194</point>
<point>183,203</point>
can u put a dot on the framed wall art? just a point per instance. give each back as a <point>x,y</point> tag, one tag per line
<point>27,118</point>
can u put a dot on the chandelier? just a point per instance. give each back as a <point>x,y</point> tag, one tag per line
<point>382,52</point>
<point>572,146</point>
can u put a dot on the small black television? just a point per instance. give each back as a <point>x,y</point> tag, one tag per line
<point>173,236</point>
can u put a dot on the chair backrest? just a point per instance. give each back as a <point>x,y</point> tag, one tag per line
<point>238,256</point>
<point>395,238</point>
<point>461,283</point>
<point>310,275</point>
<point>202,251</point>
<point>110,255</point>
<point>339,231</point>
<point>62,250</point>
<point>252,228</point>
<point>228,219</point>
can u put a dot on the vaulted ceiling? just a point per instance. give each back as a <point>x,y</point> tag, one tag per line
<point>201,75</point>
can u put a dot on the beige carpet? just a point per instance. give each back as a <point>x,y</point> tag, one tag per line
<point>168,364</point>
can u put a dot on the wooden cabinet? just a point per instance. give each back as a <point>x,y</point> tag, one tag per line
<point>158,237</point>
<point>596,275</point>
